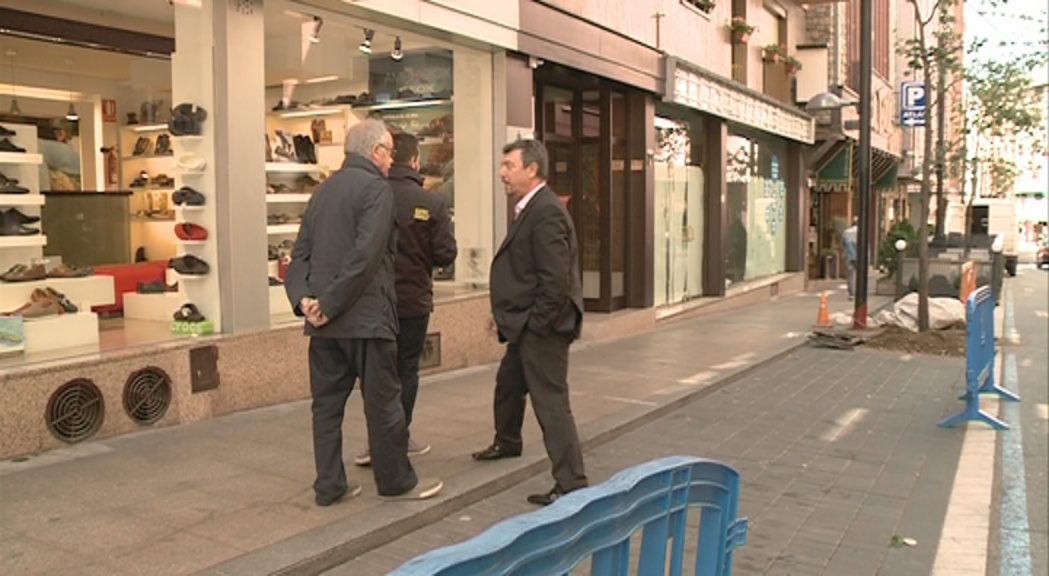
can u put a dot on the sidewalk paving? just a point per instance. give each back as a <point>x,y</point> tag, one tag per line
<point>232,495</point>
<point>838,452</point>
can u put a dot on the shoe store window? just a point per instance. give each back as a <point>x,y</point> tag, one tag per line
<point>326,72</point>
<point>89,189</point>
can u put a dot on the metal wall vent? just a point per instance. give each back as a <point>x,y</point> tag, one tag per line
<point>147,395</point>
<point>75,411</point>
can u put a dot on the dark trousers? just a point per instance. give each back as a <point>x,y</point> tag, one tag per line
<point>538,366</point>
<point>410,343</point>
<point>335,365</point>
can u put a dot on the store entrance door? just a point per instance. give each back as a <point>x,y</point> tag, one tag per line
<point>583,122</point>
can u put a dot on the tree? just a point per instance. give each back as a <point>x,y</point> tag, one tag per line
<point>927,59</point>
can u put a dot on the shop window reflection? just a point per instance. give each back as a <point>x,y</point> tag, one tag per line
<point>755,208</point>
<point>678,211</point>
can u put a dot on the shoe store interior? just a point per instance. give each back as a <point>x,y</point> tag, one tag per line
<point>100,230</point>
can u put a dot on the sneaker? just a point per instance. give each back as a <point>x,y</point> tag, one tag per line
<point>352,490</point>
<point>417,449</point>
<point>426,488</point>
<point>363,459</point>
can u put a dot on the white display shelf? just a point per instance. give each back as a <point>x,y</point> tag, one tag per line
<point>279,303</point>
<point>23,241</point>
<point>84,292</point>
<point>287,198</point>
<point>185,208</point>
<point>191,173</point>
<point>147,157</point>
<point>21,158</point>
<point>188,138</point>
<point>62,331</point>
<point>295,168</point>
<point>147,128</point>
<point>21,200</point>
<point>191,242</point>
<point>160,306</point>
<point>274,229</point>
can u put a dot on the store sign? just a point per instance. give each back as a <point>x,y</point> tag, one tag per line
<point>694,89</point>
<point>912,104</point>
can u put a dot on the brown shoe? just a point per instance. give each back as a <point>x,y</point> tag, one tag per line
<point>23,273</point>
<point>38,307</point>
<point>69,271</point>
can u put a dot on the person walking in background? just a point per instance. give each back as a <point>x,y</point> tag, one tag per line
<point>537,308</point>
<point>341,279</point>
<point>848,248</point>
<point>424,241</point>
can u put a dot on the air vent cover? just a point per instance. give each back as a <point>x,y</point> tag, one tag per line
<point>75,411</point>
<point>147,395</point>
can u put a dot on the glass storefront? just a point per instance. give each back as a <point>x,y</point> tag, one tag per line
<point>679,193</point>
<point>755,206</point>
<point>116,204</point>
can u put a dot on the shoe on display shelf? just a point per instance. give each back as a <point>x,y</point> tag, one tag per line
<point>187,196</point>
<point>189,265</point>
<point>70,271</point>
<point>24,273</point>
<point>7,146</point>
<point>188,312</point>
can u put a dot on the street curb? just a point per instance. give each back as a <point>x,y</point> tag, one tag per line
<point>320,549</point>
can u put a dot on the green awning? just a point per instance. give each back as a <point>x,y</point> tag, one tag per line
<point>888,180</point>
<point>836,174</point>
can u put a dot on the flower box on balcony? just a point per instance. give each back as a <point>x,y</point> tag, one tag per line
<point>740,30</point>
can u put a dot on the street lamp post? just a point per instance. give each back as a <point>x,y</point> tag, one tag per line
<point>825,101</point>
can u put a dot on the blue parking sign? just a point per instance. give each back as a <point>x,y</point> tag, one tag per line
<point>912,104</point>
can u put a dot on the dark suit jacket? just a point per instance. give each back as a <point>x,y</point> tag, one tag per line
<point>535,280</point>
<point>344,254</point>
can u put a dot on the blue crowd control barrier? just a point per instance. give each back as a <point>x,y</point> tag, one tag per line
<point>598,522</point>
<point>979,361</point>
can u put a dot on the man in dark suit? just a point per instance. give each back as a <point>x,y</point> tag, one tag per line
<point>537,307</point>
<point>341,279</point>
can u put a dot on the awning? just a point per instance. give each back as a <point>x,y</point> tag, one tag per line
<point>888,180</point>
<point>836,174</point>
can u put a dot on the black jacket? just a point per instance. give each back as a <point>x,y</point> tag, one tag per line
<point>535,281</point>
<point>344,254</point>
<point>424,240</point>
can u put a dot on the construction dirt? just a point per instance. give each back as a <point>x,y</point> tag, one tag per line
<point>949,342</point>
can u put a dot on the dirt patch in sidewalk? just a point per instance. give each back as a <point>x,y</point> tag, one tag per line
<point>949,342</point>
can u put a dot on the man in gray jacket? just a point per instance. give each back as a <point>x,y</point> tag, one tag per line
<point>341,278</point>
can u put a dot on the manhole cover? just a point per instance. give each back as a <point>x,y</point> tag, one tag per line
<point>75,411</point>
<point>147,395</point>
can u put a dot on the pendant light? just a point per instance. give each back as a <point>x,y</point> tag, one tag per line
<point>14,110</point>
<point>71,115</point>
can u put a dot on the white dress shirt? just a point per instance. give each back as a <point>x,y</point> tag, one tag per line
<point>524,201</point>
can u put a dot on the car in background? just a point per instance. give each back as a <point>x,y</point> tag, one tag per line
<point>1042,256</point>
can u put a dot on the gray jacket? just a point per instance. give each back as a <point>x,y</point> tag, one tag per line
<point>344,254</point>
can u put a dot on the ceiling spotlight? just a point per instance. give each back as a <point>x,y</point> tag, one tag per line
<point>71,114</point>
<point>397,54</point>
<point>366,46</point>
<point>315,36</point>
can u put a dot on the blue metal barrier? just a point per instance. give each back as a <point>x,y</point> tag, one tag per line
<point>598,522</point>
<point>979,361</point>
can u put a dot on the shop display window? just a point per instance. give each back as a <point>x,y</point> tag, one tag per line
<point>679,192</point>
<point>755,207</point>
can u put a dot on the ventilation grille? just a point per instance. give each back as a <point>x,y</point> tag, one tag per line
<point>75,411</point>
<point>147,395</point>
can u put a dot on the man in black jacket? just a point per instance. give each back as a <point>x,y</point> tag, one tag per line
<point>341,279</point>
<point>424,240</point>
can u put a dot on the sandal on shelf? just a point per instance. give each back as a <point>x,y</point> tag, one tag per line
<point>188,313</point>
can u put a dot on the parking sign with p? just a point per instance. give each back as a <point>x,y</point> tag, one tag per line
<point>912,104</point>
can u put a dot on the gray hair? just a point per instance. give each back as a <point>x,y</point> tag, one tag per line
<point>532,151</point>
<point>364,136</point>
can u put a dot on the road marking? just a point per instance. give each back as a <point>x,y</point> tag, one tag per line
<point>844,424</point>
<point>1027,362</point>
<point>1041,313</point>
<point>699,377</point>
<point>734,362</point>
<point>1042,410</point>
<point>1015,536</point>
<point>630,401</point>
<point>1011,334</point>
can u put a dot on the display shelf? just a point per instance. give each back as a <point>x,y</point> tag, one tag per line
<point>294,168</point>
<point>187,138</point>
<point>21,158</point>
<point>191,242</point>
<point>159,306</point>
<point>85,292</point>
<point>21,200</point>
<point>310,112</point>
<point>146,157</point>
<point>147,127</point>
<point>274,229</point>
<point>279,303</point>
<point>23,241</point>
<point>62,331</point>
<point>190,173</point>
<point>184,208</point>
<point>134,218</point>
<point>399,104</point>
<point>287,198</point>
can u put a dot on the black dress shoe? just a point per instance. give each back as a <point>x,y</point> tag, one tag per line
<point>495,452</point>
<point>546,498</point>
<point>8,146</point>
<point>6,131</point>
<point>15,216</point>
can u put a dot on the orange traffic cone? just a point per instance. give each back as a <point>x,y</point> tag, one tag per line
<point>823,318</point>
